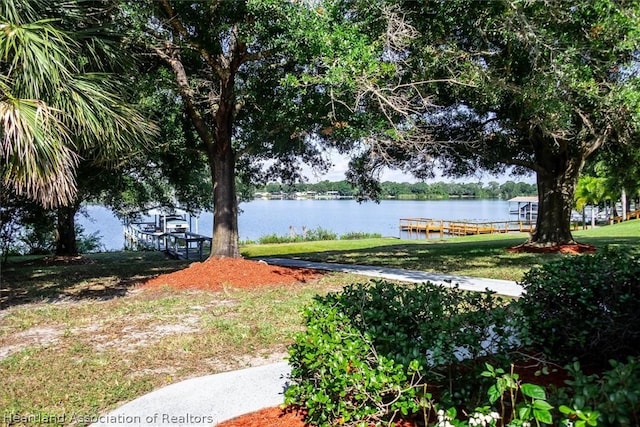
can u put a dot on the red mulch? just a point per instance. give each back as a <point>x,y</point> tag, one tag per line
<point>575,248</point>
<point>268,417</point>
<point>214,274</point>
<point>276,417</point>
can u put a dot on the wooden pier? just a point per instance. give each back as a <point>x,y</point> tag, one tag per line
<point>145,235</point>
<point>630,215</point>
<point>429,227</point>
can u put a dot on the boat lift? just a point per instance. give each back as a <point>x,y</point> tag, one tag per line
<point>170,232</point>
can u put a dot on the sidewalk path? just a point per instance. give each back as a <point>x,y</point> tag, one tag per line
<point>204,401</point>
<point>502,287</point>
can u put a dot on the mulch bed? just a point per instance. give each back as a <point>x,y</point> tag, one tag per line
<point>575,248</point>
<point>216,273</point>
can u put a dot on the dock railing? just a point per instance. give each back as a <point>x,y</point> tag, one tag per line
<point>180,245</point>
<point>186,245</point>
<point>437,227</point>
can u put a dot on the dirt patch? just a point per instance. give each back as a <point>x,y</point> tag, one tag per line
<point>36,336</point>
<point>574,248</point>
<point>132,337</point>
<point>215,274</point>
<point>67,260</point>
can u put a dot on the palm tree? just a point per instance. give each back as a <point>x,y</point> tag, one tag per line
<point>57,96</point>
<point>590,190</point>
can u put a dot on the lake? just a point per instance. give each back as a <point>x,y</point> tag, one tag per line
<point>262,217</point>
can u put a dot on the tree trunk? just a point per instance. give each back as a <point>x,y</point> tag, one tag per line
<point>555,194</point>
<point>223,167</point>
<point>225,208</point>
<point>66,231</point>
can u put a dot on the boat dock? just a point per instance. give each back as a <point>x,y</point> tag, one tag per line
<point>181,245</point>
<point>429,227</point>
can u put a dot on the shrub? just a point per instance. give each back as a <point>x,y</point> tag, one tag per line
<point>434,324</point>
<point>274,238</point>
<point>367,350</point>
<point>615,394</point>
<point>337,375</point>
<point>584,307</point>
<point>88,243</point>
<point>307,235</point>
<point>320,234</point>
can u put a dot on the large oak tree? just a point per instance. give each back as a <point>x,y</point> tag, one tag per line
<point>553,82</point>
<point>252,78</point>
<point>538,86</point>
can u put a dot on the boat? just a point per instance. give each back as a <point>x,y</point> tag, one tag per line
<point>174,223</point>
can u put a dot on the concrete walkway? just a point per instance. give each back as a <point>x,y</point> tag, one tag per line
<point>204,401</point>
<point>502,287</point>
<point>209,400</point>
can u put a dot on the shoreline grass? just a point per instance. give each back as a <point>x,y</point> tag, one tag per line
<point>83,337</point>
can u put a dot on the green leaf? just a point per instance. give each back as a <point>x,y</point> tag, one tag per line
<point>493,394</point>
<point>534,391</point>
<point>542,404</point>
<point>543,416</point>
<point>565,409</point>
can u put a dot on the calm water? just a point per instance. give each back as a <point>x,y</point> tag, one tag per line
<point>262,217</point>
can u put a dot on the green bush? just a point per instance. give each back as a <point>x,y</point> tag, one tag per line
<point>320,234</point>
<point>615,393</point>
<point>337,375</point>
<point>435,324</point>
<point>274,238</point>
<point>583,307</point>
<point>367,351</point>
<point>307,236</point>
<point>88,243</point>
<point>355,235</point>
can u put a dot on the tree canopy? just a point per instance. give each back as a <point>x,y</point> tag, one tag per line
<point>536,85</point>
<point>253,78</point>
<point>260,86</point>
<point>58,94</point>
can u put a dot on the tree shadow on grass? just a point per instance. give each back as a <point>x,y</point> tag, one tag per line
<point>92,277</point>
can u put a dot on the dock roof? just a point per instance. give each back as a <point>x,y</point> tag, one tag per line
<point>524,199</point>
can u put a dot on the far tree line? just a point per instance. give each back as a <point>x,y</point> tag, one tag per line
<point>418,190</point>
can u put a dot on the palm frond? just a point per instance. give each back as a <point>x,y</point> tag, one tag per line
<point>34,147</point>
<point>50,106</point>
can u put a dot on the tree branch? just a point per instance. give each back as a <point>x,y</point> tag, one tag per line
<point>179,28</point>
<point>170,56</point>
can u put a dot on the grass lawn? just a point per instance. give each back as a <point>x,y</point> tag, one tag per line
<point>82,337</point>
<point>477,256</point>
